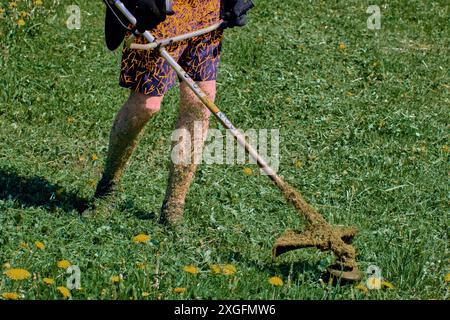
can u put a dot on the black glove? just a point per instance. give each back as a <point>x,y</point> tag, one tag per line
<point>234,12</point>
<point>148,14</point>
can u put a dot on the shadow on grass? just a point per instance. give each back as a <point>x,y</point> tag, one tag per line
<point>130,207</point>
<point>37,192</point>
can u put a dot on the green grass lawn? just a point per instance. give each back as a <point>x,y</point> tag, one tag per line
<point>363,118</point>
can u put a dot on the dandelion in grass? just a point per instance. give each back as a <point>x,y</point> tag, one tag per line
<point>116,279</point>
<point>63,264</point>
<point>40,245</point>
<point>216,269</point>
<point>64,292</point>
<point>48,281</point>
<point>94,157</point>
<point>191,269</point>
<point>145,294</point>
<point>342,46</point>
<point>140,265</point>
<point>12,5</point>
<point>17,274</point>
<point>229,270</point>
<point>24,245</point>
<point>10,296</point>
<point>447,277</point>
<point>6,265</point>
<point>179,290</point>
<point>37,3</point>
<point>374,283</point>
<point>20,22</point>
<point>141,238</point>
<point>276,281</point>
<point>248,171</point>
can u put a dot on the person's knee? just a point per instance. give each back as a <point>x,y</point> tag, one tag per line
<point>192,105</point>
<point>147,105</point>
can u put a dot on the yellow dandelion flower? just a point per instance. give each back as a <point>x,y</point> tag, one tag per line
<point>48,281</point>
<point>24,245</point>
<point>92,183</point>
<point>94,157</point>
<point>191,269</point>
<point>63,264</point>
<point>446,149</point>
<point>23,14</point>
<point>2,11</point>
<point>12,5</point>
<point>140,265</point>
<point>215,268</point>
<point>10,296</point>
<point>447,277</point>
<point>387,284</point>
<point>64,292</point>
<point>116,279</point>
<point>17,274</point>
<point>39,245</point>
<point>374,283</point>
<point>342,46</point>
<point>20,22</point>
<point>141,238</point>
<point>276,281</point>
<point>362,288</point>
<point>179,290</point>
<point>248,171</point>
<point>298,164</point>
<point>229,269</point>
<point>37,2</point>
<point>145,294</point>
<point>70,119</point>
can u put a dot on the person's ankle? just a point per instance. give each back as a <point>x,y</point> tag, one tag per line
<point>172,214</point>
<point>105,188</point>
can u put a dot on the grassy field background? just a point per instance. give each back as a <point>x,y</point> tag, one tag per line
<point>363,119</point>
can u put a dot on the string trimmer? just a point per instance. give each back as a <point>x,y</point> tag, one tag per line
<point>318,232</point>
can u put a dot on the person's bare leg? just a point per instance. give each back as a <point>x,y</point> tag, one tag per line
<point>191,111</point>
<point>127,128</point>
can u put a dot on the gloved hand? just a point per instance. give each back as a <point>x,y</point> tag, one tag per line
<point>148,13</point>
<point>234,12</point>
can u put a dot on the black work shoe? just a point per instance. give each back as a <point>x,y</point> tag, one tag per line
<point>103,199</point>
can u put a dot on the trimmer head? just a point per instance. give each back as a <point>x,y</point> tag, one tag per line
<point>325,238</point>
